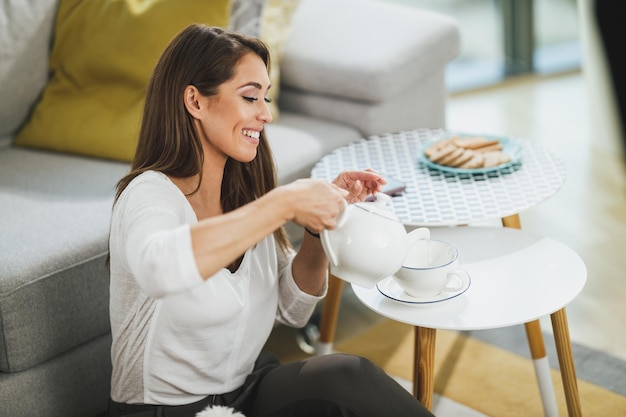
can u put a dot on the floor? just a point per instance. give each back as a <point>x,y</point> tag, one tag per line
<point>588,213</point>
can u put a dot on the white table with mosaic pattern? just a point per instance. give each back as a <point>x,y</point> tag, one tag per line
<point>437,198</point>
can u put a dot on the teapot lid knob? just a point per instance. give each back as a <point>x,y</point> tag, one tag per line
<point>382,199</point>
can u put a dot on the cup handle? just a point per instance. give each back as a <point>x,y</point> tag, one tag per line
<point>457,275</point>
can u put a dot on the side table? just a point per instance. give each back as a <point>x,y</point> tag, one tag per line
<point>436,198</point>
<point>516,277</point>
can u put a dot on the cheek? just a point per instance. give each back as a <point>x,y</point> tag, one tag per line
<point>213,129</point>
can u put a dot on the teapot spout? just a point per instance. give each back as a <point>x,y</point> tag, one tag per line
<point>421,233</point>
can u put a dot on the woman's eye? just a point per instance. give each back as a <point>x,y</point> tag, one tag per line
<point>254,99</point>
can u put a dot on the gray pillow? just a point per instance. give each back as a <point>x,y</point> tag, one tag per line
<point>25,39</point>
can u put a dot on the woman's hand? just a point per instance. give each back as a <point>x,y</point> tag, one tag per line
<point>316,204</point>
<point>359,184</point>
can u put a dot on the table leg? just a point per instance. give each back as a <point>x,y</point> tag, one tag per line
<point>542,368</point>
<point>537,348</point>
<point>566,362</point>
<point>330,313</point>
<point>424,365</point>
<point>512,221</point>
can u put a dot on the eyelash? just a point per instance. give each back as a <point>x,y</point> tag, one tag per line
<point>253,99</point>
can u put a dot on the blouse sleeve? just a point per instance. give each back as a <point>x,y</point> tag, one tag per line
<point>295,306</point>
<point>155,239</point>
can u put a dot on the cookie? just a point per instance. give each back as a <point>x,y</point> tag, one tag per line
<point>449,158</point>
<point>474,142</point>
<point>463,158</point>
<point>442,153</point>
<point>489,148</point>
<point>474,163</point>
<point>495,158</point>
<point>437,146</point>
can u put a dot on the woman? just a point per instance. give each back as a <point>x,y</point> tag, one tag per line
<point>200,265</point>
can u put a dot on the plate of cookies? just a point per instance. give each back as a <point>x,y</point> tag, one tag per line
<point>471,154</point>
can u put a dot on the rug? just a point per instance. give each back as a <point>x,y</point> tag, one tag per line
<point>490,379</point>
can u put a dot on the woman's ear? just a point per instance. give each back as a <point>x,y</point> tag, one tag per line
<point>191,97</point>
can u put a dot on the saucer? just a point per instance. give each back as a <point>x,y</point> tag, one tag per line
<point>391,289</point>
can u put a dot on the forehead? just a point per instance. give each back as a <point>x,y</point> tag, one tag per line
<point>251,68</point>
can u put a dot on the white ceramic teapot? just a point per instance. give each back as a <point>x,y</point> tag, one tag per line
<point>369,243</point>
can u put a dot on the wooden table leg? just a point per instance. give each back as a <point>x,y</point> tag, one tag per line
<point>512,221</point>
<point>424,365</point>
<point>542,368</point>
<point>330,314</point>
<point>566,362</point>
<point>537,348</point>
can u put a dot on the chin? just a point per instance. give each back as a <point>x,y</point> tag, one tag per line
<point>245,157</point>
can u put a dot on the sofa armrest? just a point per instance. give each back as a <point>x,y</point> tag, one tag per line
<point>364,50</point>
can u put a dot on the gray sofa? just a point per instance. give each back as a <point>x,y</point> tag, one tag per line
<point>351,68</point>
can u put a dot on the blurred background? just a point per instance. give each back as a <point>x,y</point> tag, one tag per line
<point>504,38</point>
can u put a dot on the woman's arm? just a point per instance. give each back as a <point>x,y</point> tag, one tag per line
<point>160,252</point>
<point>219,240</point>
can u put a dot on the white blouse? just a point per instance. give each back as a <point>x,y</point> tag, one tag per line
<point>176,337</point>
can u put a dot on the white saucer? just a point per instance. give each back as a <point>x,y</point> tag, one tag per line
<point>391,289</point>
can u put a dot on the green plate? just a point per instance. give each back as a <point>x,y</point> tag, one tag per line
<point>510,146</point>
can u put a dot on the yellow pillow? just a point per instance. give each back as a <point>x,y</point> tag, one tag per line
<point>104,52</point>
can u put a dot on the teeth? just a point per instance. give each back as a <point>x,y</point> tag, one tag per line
<point>252,133</point>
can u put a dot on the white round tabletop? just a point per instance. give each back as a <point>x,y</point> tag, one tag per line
<point>516,277</point>
<point>440,198</point>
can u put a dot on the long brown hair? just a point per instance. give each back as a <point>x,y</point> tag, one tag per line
<point>204,57</point>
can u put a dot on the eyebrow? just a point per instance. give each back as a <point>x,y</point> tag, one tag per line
<point>255,85</point>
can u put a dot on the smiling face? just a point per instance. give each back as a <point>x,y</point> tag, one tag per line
<point>230,122</point>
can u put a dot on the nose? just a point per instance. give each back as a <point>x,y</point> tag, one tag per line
<point>266,113</point>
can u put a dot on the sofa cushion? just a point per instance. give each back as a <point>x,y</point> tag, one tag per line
<point>295,150</point>
<point>328,135</point>
<point>74,384</point>
<point>25,32</point>
<point>418,106</point>
<point>353,58</point>
<point>54,282</point>
<point>103,54</point>
<point>269,20</point>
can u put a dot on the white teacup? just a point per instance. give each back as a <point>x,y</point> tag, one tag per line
<point>430,268</point>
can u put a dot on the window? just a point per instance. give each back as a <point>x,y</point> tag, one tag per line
<point>502,38</point>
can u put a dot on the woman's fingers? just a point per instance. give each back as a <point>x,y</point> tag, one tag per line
<point>360,184</point>
<point>318,204</point>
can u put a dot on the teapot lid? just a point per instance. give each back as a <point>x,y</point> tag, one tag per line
<point>378,206</point>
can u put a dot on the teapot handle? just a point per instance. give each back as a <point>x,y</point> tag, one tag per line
<point>332,256</point>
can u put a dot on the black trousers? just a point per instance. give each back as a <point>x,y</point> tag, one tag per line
<point>336,385</point>
<point>609,16</point>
